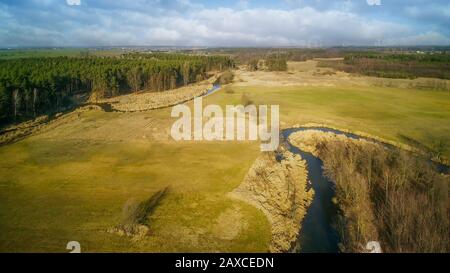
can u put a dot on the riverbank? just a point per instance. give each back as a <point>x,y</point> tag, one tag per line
<point>279,188</point>
<point>140,102</point>
<point>146,101</point>
<point>374,138</point>
<point>378,191</point>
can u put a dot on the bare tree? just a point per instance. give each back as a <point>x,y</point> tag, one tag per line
<point>35,99</point>
<point>16,102</point>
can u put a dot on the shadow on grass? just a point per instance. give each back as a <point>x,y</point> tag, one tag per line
<point>138,212</point>
<point>135,216</point>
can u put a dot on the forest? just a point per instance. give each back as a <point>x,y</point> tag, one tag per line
<point>246,56</point>
<point>35,86</point>
<point>395,65</point>
<point>395,62</point>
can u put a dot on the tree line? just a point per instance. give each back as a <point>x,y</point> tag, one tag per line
<point>395,65</point>
<point>270,63</point>
<point>34,86</point>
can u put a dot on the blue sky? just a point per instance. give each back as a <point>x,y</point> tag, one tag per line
<point>224,23</point>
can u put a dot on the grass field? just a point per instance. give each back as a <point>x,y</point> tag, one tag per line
<point>71,183</point>
<point>388,113</point>
<point>55,191</point>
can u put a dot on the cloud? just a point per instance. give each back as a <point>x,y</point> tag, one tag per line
<point>189,23</point>
<point>73,2</point>
<point>374,2</point>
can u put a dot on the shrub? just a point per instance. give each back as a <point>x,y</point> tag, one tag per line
<point>226,77</point>
<point>229,91</point>
<point>245,100</point>
<point>387,195</point>
<point>135,214</point>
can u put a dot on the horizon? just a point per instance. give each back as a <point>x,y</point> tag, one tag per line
<point>189,47</point>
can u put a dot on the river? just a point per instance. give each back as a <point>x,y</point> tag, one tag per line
<point>318,235</point>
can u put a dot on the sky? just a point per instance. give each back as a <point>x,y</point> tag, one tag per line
<point>221,23</point>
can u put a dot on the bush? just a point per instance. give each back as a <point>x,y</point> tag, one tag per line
<point>229,91</point>
<point>136,213</point>
<point>226,77</point>
<point>245,100</point>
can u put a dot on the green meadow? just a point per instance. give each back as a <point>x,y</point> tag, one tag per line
<point>55,191</point>
<point>388,113</point>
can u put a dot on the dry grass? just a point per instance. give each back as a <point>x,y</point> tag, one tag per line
<point>154,100</point>
<point>70,179</point>
<point>384,195</point>
<point>70,183</point>
<point>311,73</point>
<point>279,189</point>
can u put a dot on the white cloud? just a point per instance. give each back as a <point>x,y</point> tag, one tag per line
<point>73,2</point>
<point>240,26</point>
<point>374,2</point>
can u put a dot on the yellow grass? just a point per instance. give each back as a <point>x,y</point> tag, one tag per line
<point>70,182</point>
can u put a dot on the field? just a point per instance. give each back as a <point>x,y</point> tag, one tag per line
<point>349,102</point>
<point>388,113</point>
<point>71,183</point>
<point>75,187</point>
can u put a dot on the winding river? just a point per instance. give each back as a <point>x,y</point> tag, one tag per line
<point>317,233</point>
<point>214,89</point>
